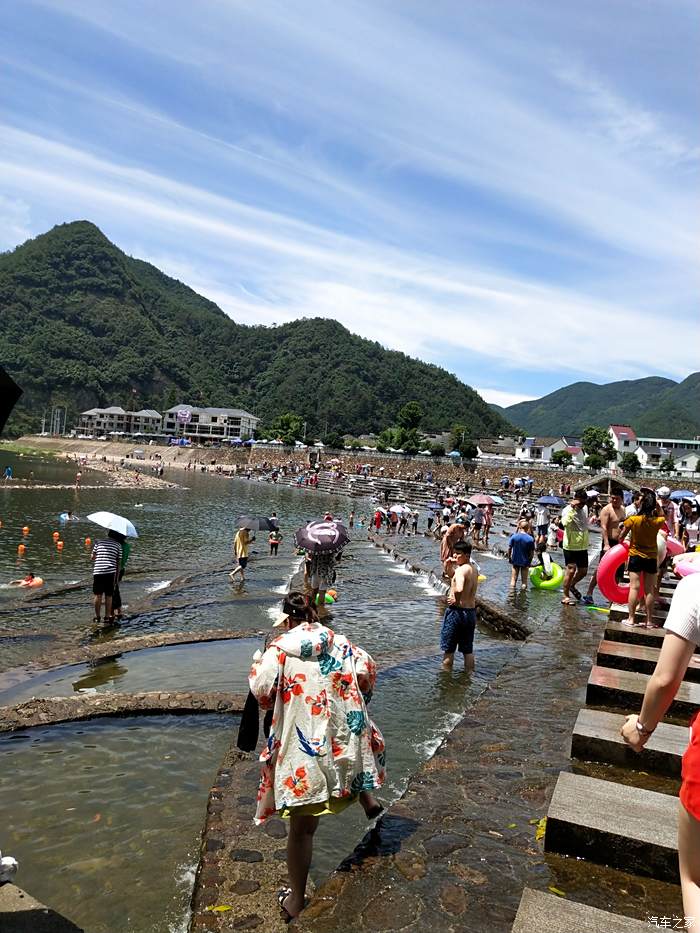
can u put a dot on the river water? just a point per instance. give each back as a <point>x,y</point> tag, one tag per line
<point>111,812</point>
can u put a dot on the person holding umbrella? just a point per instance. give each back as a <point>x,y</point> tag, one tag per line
<point>107,556</point>
<point>241,549</point>
<point>323,543</point>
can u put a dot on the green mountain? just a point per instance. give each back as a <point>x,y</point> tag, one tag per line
<point>85,325</point>
<point>653,407</point>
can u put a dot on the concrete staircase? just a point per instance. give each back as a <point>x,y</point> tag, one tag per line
<point>618,823</point>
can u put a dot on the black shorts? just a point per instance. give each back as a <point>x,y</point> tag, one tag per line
<point>458,626</point>
<point>542,530</point>
<point>103,584</point>
<point>579,558</point>
<point>642,565</point>
<point>243,562</point>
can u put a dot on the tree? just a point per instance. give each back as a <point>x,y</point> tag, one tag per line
<point>562,457</point>
<point>437,450</point>
<point>597,441</point>
<point>629,463</point>
<point>668,465</point>
<point>287,428</point>
<point>468,450</point>
<point>410,416</point>
<point>596,461</point>
<point>333,439</point>
<point>458,433</point>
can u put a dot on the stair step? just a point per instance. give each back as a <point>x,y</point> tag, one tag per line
<point>620,611</point>
<point>641,658</point>
<point>614,824</point>
<point>596,737</point>
<point>653,637</point>
<point>610,687</point>
<point>546,913</point>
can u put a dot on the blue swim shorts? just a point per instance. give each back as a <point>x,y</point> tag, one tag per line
<point>457,633</point>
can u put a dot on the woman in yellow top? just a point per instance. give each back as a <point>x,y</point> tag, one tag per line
<point>241,546</point>
<point>643,529</point>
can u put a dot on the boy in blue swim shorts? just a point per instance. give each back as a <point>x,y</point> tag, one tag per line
<point>459,621</point>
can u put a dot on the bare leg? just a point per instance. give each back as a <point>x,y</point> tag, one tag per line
<point>513,577</point>
<point>633,597</point>
<point>108,607</point>
<point>300,842</point>
<point>469,662</point>
<point>568,580</point>
<point>98,605</point>
<point>370,804</point>
<point>523,578</point>
<point>649,597</point>
<point>448,660</point>
<point>689,861</point>
<point>234,572</point>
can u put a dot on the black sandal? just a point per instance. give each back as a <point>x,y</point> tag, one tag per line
<point>282,896</point>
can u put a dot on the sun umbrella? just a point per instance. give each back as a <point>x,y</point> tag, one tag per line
<point>682,494</point>
<point>399,509</point>
<point>113,522</point>
<point>551,500</point>
<point>481,499</point>
<point>497,499</point>
<point>257,523</point>
<point>434,506</point>
<point>322,537</point>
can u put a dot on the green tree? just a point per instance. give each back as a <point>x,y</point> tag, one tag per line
<point>596,461</point>
<point>629,463</point>
<point>458,434</point>
<point>287,428</point>
<point>562,457</point>
<point>437,450</point>
<point>668,465</point>
<point>334,440</point>
<point>597,441</point>
<point>468,450</point>
<point>410,416</point>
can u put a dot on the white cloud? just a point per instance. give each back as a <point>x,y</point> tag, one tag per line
<point>503,398</point>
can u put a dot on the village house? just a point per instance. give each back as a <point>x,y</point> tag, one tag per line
<point>99,422</point>
<point>209,423</point>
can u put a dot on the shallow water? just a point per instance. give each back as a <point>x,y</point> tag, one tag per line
<point>105,818</point>
<point>177,581</point>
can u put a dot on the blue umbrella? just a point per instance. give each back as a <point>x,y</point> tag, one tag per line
<point>551,500</point>
<point>682,494</point>
<point>434,506</point>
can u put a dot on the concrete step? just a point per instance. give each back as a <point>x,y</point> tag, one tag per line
<point>614,824</point>
<point>620,611</point>
<point>641,658</point>
<point>614,631</point>
<point>546,913</point>
<point>596,737</point>
<point>610,687</point>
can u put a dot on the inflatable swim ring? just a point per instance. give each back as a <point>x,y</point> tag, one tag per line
<point>610,563</point>
<point>674,546</point>
<point>541,583</point>
<point>328,600</point>
<point>685,567</point>
<point>37,581</point>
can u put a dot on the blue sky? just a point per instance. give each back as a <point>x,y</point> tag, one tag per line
<point>508,188</point>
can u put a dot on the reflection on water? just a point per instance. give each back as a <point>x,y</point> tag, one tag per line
<point>105,818</point>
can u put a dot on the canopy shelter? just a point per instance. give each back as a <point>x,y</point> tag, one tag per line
<point>604,483</point>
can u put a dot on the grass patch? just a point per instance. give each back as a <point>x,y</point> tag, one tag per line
<point>17,447</point>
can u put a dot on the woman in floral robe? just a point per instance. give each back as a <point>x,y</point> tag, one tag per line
<point>323,750</point>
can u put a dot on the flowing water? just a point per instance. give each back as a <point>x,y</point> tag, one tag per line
<point>135,772</point>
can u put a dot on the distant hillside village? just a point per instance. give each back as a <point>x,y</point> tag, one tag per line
<point>216,426</point>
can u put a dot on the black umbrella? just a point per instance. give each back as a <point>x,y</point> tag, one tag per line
<point>322,537</point>
<point>551,500</point>
<point>9,394</point>
<point>257,523</point>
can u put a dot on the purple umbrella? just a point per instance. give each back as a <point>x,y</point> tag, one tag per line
<point>322,537</point>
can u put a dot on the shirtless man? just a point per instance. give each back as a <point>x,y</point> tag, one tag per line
<point>610,517</point>
<point>459,621</point>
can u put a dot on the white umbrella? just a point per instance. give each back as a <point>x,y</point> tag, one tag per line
<point>113,522</point>
<point>399,509</point>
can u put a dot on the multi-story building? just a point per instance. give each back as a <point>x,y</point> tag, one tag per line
<point>209,423</point>
<point>114,420</point>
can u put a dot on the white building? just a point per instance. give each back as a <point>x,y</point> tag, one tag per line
<point>624,439</point>
<point>539,449</point>
<point>209,423</point>
<point>671,444</point>
<point>687,461</point>
<point>114,420</point>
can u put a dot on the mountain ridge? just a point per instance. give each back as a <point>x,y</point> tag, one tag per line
<point>84,324</point>
<point>654,406</point>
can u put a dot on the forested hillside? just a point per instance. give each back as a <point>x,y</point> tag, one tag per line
<point>83,324</point>
<point>653,406</point>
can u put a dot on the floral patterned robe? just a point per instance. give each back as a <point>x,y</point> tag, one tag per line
<point>322,743</point>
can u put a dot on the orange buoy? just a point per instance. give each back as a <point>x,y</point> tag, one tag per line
<point>59,545</point>
<point>25,530</point>
<point>88,542</point>
<point>56,536</point>
<point>21,548</point>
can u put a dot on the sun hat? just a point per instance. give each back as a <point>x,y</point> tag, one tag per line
<point>663,492</point>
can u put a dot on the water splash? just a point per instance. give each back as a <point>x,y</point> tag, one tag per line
<point>154,587</point>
